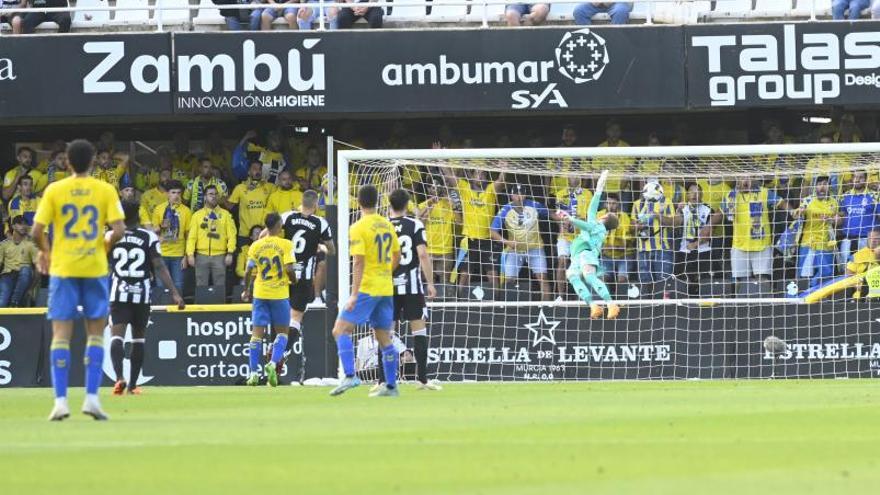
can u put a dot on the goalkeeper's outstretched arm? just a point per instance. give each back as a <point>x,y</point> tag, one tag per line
<point>597,198</point>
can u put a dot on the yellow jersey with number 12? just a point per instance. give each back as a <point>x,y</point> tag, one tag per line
<point>78,208</point>
<point>373,237</point>
<point>268,256</point>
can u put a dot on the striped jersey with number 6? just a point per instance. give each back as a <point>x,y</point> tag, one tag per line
<point>306,232</point>
<point>131,266</point>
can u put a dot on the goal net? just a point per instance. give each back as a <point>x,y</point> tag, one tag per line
<point>726,262</point>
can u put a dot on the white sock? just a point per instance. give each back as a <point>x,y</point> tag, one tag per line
<point>60,401</point>
<point>92,398</point>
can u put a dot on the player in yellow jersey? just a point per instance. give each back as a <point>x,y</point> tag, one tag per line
<point>270,269</point>
<point>375,253</point>
<point>77,208</point>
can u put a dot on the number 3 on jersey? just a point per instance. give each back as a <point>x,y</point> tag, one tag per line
<point>406,249</point>
<point>383,247</point>
<point>90,212</point>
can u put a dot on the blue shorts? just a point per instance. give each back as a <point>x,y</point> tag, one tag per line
<point>271,313</point>
<point>66,293</point>
<point>377,310</point>
<point>520,8</point>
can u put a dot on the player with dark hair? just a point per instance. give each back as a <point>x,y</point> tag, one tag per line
<point>135,260</point>
<point>409,286</point>
<point>307,231</point>
<point>584,272</point>
<point>375,252</point>
<point>78,208</point>
<point>272,258</point>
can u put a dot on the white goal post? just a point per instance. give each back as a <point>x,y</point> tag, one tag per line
<point>670,326</point>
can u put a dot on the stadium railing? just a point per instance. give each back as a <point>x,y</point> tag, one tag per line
<point>161,15</point>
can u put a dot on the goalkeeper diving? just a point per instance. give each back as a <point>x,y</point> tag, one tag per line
<point>585,273</point>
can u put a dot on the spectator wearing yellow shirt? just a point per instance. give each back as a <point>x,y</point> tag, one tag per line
<point>25,202</point>
<point>865,258</point>
<point>151,198</point>
<point>18,254</point>
<point>241,257</point>
<point>25,166</point>
<point>107,169</point>
<point>171,221</point>
<point>558,182</point>
<point>211,241</point>
<point>831,166</point>
<point>219,154</point>
<point>286,197</point>
<point>440,218</point>
<point>618,252</point>
<point>194,195</point>
<point>748,207</point>
<point>478,205</point>
<point>183,158</point>
<point>56,147</point>
<point>653,218</point>
<point>574,199</point>
<point>270,157</point>
<point>56,168</point>
<point>311,176</point>
<point>821,217</point>
<point>618,166</point>
<point>252,198</point>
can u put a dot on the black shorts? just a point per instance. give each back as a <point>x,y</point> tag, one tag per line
<point>482,255</point>
<point>301,294</point>
<point>136,315</point>
<point>410,307</point>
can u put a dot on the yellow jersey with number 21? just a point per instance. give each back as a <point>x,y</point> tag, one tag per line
<point>78,208</point>
<point>373,237</point>
<point>269,256</point>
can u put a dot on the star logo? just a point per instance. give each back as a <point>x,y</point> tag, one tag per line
<point>543,330</point>
<point>582,56</point>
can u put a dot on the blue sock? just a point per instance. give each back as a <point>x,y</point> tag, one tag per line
<point>390,362</point>
<point>255,348</point>
<point>278,347</point>
<point>60,355</point>
<point>345,349</point>
<point>94,361</point>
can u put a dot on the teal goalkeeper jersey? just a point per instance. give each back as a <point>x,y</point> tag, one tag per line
<point>592,233</point>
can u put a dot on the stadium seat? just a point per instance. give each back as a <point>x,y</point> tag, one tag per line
<point>235,297</point>
<point>753,289</point>
<point>773,7</point>
<point>161,297</point>
<point>447,13</point>
<point>91,18</point>
<point>210,295</point>
<point>176,16</point>
<point>42,300</point>
<point>207,15</point>
<point>407,9</point>
<point>736,9</point>
<point>562,11</point>
<point>716,288</point>
<point>495,13</point>
<point>132,16</point>
<point>804,7</point>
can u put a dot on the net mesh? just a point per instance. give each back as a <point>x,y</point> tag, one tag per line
<point>711,256</point>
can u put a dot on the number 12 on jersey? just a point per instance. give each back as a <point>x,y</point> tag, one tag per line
<point>383,247</point>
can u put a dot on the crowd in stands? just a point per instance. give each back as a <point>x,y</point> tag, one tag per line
<point>206,204</point>
<point>207,200</point>
<point>303,14</point>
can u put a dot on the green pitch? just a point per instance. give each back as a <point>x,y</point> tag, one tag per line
<point>733,437</point>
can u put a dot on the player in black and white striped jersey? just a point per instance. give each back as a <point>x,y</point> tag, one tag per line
<point>410,287</point>
<point>308,232</point>
<point>134,261</point>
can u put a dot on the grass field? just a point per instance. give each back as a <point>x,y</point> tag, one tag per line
<point>750,437</point>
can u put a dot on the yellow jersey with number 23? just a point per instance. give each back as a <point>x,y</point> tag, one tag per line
<point>78,208</point>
